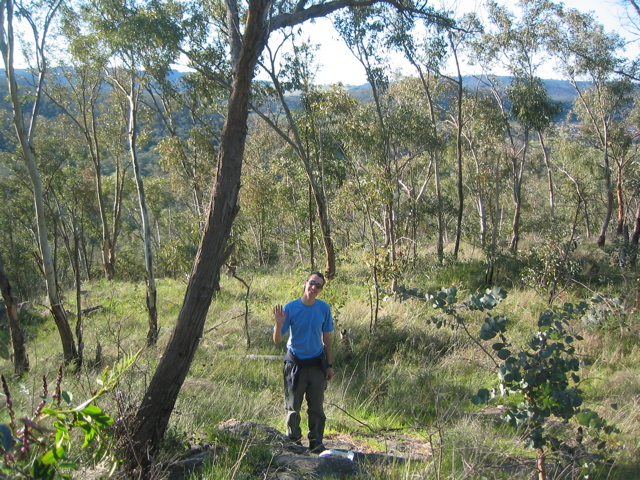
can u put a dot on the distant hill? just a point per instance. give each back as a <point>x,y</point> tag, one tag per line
<point>559,90</point>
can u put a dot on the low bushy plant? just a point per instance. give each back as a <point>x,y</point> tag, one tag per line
<point>543,376</point>
<point>45,444</point>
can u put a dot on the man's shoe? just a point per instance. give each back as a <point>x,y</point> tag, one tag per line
<point>316,448</point>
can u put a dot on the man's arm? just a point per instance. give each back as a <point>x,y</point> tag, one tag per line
<point>327,342</point>
<point>279,316</point>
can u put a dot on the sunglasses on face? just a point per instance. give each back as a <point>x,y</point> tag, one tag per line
<point>316,284</point>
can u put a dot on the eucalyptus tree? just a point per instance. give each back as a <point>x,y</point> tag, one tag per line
<point>331,122</point>
<point>578,162</point>
<point>369,192</point>
<point>535,111</point>
<point>443,42</point>
<point>39,17</point>
<point>483,135</point>
<point>78,91</point>
<point>18,231</point>
<point>115,27</point>
<point>247,42</point>
<point>586,52</point>
<point>269,205</point>
<point>302,134</point>
<point>427,59</point>
<point>519,44</point>
<point>405,112</point>
<point>190,110</point>
<point>415,146</point>
<point>456,43</point>
<point>635,189</point>
<point>69,199</point>
<point>18,343</point>
<point>625,154</point>
<point>362,32</point>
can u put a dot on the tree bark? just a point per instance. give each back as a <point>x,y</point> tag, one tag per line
<point>541,465</point>
<point>153,414</point>
<point>20,357</point>
<point>312,250</point>
<point>518,175</point>
<point>460,92</point>
<point>636,230</point>
<point>25,136</point>
<point>609,192</point>
<point>315,192</point>
<point>633,258</point>
<point>552,198</point>
<point>620,198</point>
<point>152,293</point>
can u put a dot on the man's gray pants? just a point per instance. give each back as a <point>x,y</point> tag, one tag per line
<point>312,382</point>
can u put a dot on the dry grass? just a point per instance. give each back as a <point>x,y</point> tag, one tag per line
<point>407,386</point>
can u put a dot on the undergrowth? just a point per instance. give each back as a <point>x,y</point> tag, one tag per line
<point>397,374</point>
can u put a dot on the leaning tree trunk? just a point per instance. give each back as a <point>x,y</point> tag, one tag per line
<point>152,292</point>
<point>609,192</point>
<point>20,357</point>
<point>547,162</point>
<point>636,231</point>
<point>312,243</point>
<point>460,92</point>
<point>518,176</point>
<point>634,240</point>
<point>24,136</point>
<point>325,226</point>
<point>620,198</point>
<point>155,410</point>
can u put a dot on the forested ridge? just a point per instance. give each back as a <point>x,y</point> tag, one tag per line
<point>144,208</point>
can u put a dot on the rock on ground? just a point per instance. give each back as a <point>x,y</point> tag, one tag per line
<point>294,462</point>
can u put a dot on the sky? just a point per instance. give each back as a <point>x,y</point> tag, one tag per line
<point>337,63</point>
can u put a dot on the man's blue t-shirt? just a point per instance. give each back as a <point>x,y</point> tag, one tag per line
<point>305,325</point>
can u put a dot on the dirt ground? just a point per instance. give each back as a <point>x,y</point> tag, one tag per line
<point>294,462</point>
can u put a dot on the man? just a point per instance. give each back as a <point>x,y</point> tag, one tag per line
<point>307,364</point>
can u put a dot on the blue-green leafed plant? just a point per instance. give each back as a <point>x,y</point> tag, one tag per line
<point>545,374</point>
<point>41,446</point>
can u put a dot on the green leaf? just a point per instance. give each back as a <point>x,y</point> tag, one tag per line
<point>52,456</point>
<point>7,437</point>
<point>92,410</point>
<point>43,471</point>
<point>482,396</point>
<point>499,293</point>
<point>487,332</point>
<point>53,413</point>
<point>504,354</point>
<point>67,397</point>
<point>585,417</point>
<point>489,301</point>
<point>88,438</point>
<point>4,351</point>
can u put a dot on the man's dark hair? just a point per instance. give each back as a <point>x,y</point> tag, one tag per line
<point>318,274</point>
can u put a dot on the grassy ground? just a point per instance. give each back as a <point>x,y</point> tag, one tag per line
<point>406,381</point>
